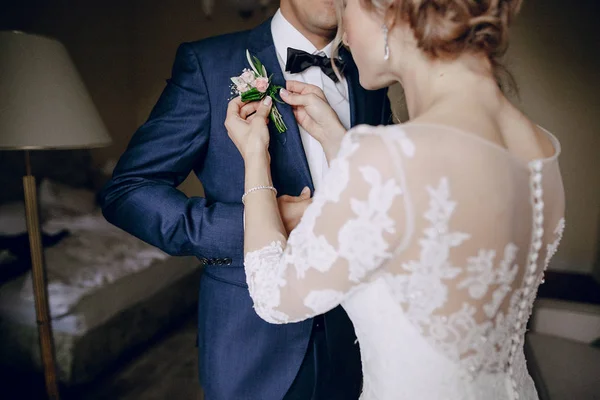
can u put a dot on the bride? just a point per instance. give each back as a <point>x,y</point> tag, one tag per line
<point>433,234</point>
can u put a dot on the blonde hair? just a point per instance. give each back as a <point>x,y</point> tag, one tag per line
<point>446,28</point>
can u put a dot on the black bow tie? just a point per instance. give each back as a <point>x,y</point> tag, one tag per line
<point>298,61</point>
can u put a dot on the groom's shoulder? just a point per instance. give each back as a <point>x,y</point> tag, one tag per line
<point>223,46</point>
<point>221,43</point>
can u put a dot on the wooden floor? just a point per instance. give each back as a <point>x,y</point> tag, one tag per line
<point>166,371</point>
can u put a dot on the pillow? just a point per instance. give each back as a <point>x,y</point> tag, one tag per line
<point>10,267</point>
<point>58,200</point>
<point>6,257</point>
<point>15,258</point>
<point>18,245</point>
<point>72,167</point>
<point>12,219</point>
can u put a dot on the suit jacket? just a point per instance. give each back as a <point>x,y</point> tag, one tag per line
<point>241,356</point>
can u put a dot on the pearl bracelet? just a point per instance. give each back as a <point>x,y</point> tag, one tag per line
<point>254,189</point>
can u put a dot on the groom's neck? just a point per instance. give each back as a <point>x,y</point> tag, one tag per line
<point>317,36</point>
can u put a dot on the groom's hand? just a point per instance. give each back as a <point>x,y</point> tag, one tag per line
<point>292,208</point>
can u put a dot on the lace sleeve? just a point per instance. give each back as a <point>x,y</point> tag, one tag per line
<point>349,232</point>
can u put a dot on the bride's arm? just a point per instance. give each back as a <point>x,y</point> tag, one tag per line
<point>263,222</point>
<point>246,125</point>
<point>347,233</point>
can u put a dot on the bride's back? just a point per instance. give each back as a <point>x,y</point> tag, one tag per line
<point>476,225</point>
<point>482,109</point>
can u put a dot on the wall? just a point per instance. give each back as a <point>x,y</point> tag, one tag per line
<point>125,49</point>
<point>554,56</point>
<point>98,38</point>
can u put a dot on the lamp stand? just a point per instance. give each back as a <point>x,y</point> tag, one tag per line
<point>39,282</point>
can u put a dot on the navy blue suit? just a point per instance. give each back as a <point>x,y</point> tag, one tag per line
<point>241,356</point>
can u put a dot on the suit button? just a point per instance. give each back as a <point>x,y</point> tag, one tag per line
<point>203,260</point>
<point>228,261</point>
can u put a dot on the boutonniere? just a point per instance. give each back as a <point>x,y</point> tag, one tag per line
<point>254,84</point>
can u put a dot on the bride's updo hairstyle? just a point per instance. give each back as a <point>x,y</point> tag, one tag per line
<point>448,28</point>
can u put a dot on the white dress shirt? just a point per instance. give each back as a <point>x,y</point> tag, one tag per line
<point>284,36</point>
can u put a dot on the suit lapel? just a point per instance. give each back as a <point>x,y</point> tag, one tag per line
<point>356,94</point>
<point>287,147</point>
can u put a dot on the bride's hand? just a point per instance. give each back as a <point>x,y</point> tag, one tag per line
<point>315,115</point>
<point>246,124</point>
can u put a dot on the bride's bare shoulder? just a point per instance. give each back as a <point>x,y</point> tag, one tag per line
<point>508,130</point>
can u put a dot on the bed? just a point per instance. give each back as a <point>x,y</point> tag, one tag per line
<point>110,294</point>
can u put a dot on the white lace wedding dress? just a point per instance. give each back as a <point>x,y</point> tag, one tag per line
<point>434,241</point>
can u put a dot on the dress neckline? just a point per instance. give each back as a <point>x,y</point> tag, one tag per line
<point>544,160</point>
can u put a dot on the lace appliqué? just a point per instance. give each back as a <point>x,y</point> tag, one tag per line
<point>264,280</point>
<point>483,273</point>
<point>361,239</point>
<point>308,250</point>
<point>424,291</point>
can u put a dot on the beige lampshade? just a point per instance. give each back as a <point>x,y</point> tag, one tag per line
<point>43,101</point>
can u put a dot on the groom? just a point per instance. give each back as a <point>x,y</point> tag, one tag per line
<point>241,356</point>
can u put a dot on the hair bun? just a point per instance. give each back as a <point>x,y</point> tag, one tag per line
<point>451,27</point>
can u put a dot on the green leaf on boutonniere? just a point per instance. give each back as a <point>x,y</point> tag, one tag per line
<point>251,62</point>
<point>252,95</point>
<point>274,93</point>
<point>259,67</point>
<point>277,119</point>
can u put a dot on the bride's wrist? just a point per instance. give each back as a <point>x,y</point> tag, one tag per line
<point>258,169</point>
<point>257,157</point>
<point>334,140</point>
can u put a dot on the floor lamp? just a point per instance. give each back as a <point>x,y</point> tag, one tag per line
<point>44,105</point>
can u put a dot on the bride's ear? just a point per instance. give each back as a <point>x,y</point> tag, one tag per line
<point>391,16</point>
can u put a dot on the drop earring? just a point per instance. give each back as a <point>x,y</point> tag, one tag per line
<point>386,54</point>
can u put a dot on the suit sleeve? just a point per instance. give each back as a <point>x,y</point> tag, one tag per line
<point>142,199</point>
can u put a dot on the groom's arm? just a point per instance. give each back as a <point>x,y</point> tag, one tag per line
<point>142,199</point>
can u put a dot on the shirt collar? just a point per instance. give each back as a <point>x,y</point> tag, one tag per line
<point>286,35</point>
